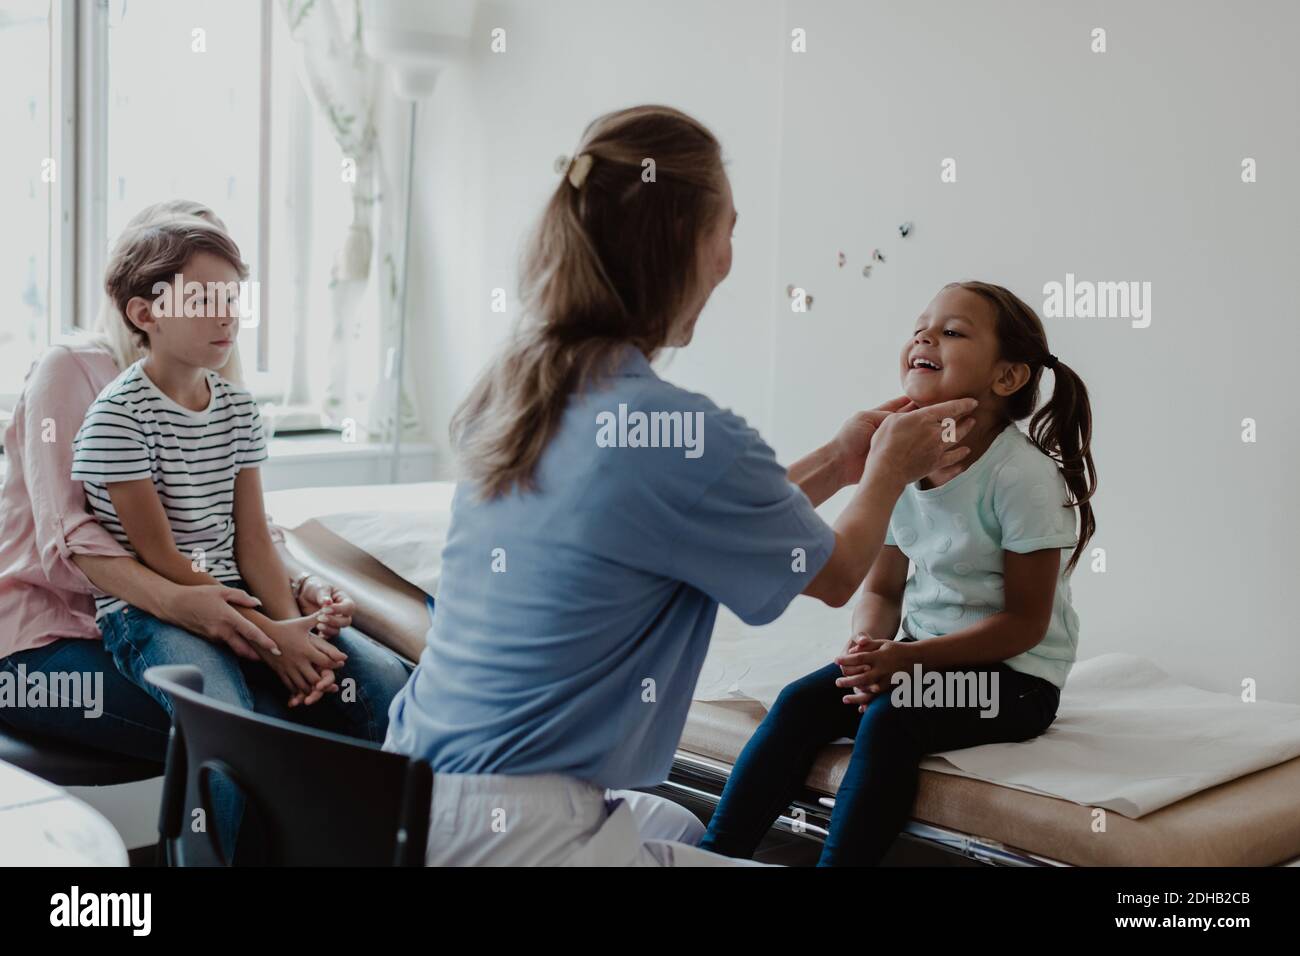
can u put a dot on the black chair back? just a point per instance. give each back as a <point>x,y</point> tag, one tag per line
<point>315,798</point>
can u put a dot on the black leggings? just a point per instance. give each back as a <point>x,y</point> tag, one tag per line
<point>875,799</point>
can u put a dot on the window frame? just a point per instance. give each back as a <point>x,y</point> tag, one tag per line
<point>63,133</point>
<point>89,205</point>
<point>62,283</point>
<point>88,23</point>
<point>79,99</point>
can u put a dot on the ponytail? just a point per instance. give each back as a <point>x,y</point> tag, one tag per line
<point>515,408</point>
<point>1060,429</point>
<point>613,263</point>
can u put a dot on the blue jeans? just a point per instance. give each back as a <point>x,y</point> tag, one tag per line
<point>137,640</point>
<point>875,799</point>
<point>130,722</point>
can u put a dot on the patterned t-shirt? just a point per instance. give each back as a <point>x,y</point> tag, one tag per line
<point>134,431</point>
<point>1013,498</point>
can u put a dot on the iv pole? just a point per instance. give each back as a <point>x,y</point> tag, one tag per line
<point>406,272</point>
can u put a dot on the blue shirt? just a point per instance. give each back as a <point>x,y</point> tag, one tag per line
<point>1014,498</point>
<point>572,621</point>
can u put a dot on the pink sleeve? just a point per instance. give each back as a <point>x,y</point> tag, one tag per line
<point>57,395</point>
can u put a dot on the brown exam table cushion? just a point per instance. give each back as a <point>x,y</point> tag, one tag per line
<point>389,609</point>
<point>1251,821</point>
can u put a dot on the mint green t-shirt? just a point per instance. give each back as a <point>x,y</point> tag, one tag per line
<point>1012,499</point>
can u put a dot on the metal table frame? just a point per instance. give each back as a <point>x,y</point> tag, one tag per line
<point>701,779</point>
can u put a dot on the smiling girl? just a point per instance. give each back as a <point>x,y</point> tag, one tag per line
<point>989,603</point>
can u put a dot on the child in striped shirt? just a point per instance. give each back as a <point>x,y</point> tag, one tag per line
<point>168,455</point>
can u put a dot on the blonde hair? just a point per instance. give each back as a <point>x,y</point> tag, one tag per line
<point>614,262</point>
<point>113,332</point>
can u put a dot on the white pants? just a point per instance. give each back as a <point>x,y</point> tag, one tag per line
<point>553,820</point>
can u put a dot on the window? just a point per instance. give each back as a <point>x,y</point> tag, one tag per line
<point>183,116</point>
<point>188,92</point>
<point>31,179</point>
<point>124,103</point>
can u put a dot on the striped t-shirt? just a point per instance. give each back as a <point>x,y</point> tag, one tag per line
<point>133,431</point>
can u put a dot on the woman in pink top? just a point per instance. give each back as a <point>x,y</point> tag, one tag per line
<point>62,682</point>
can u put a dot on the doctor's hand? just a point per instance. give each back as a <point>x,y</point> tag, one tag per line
<point>853,440</point>
<point>913,442</point>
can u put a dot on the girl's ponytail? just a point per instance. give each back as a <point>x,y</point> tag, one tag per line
<point>1062,428</point>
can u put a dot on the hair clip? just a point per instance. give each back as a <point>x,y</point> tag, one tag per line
<point>579,169</point>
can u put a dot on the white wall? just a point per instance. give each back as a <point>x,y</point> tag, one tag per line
<point>494,127</point>
<point>1116,166</point>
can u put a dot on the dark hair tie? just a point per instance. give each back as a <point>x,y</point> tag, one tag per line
<point>1050,361</point>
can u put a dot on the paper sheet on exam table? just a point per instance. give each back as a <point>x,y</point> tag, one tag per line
<point>1127,737</point>
<point>402,527</point>
<point>754,663</point>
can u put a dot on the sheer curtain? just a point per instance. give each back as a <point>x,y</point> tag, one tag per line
<point>344,87</point>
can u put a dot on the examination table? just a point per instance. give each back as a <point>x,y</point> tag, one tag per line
<point>1253,820</point>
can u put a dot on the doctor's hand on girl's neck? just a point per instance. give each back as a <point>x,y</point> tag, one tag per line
<point>954,352</point>
<point>183,347</point>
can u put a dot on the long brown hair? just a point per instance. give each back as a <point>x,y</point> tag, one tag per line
<point>1061,429</point>
<point>613,262</point>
